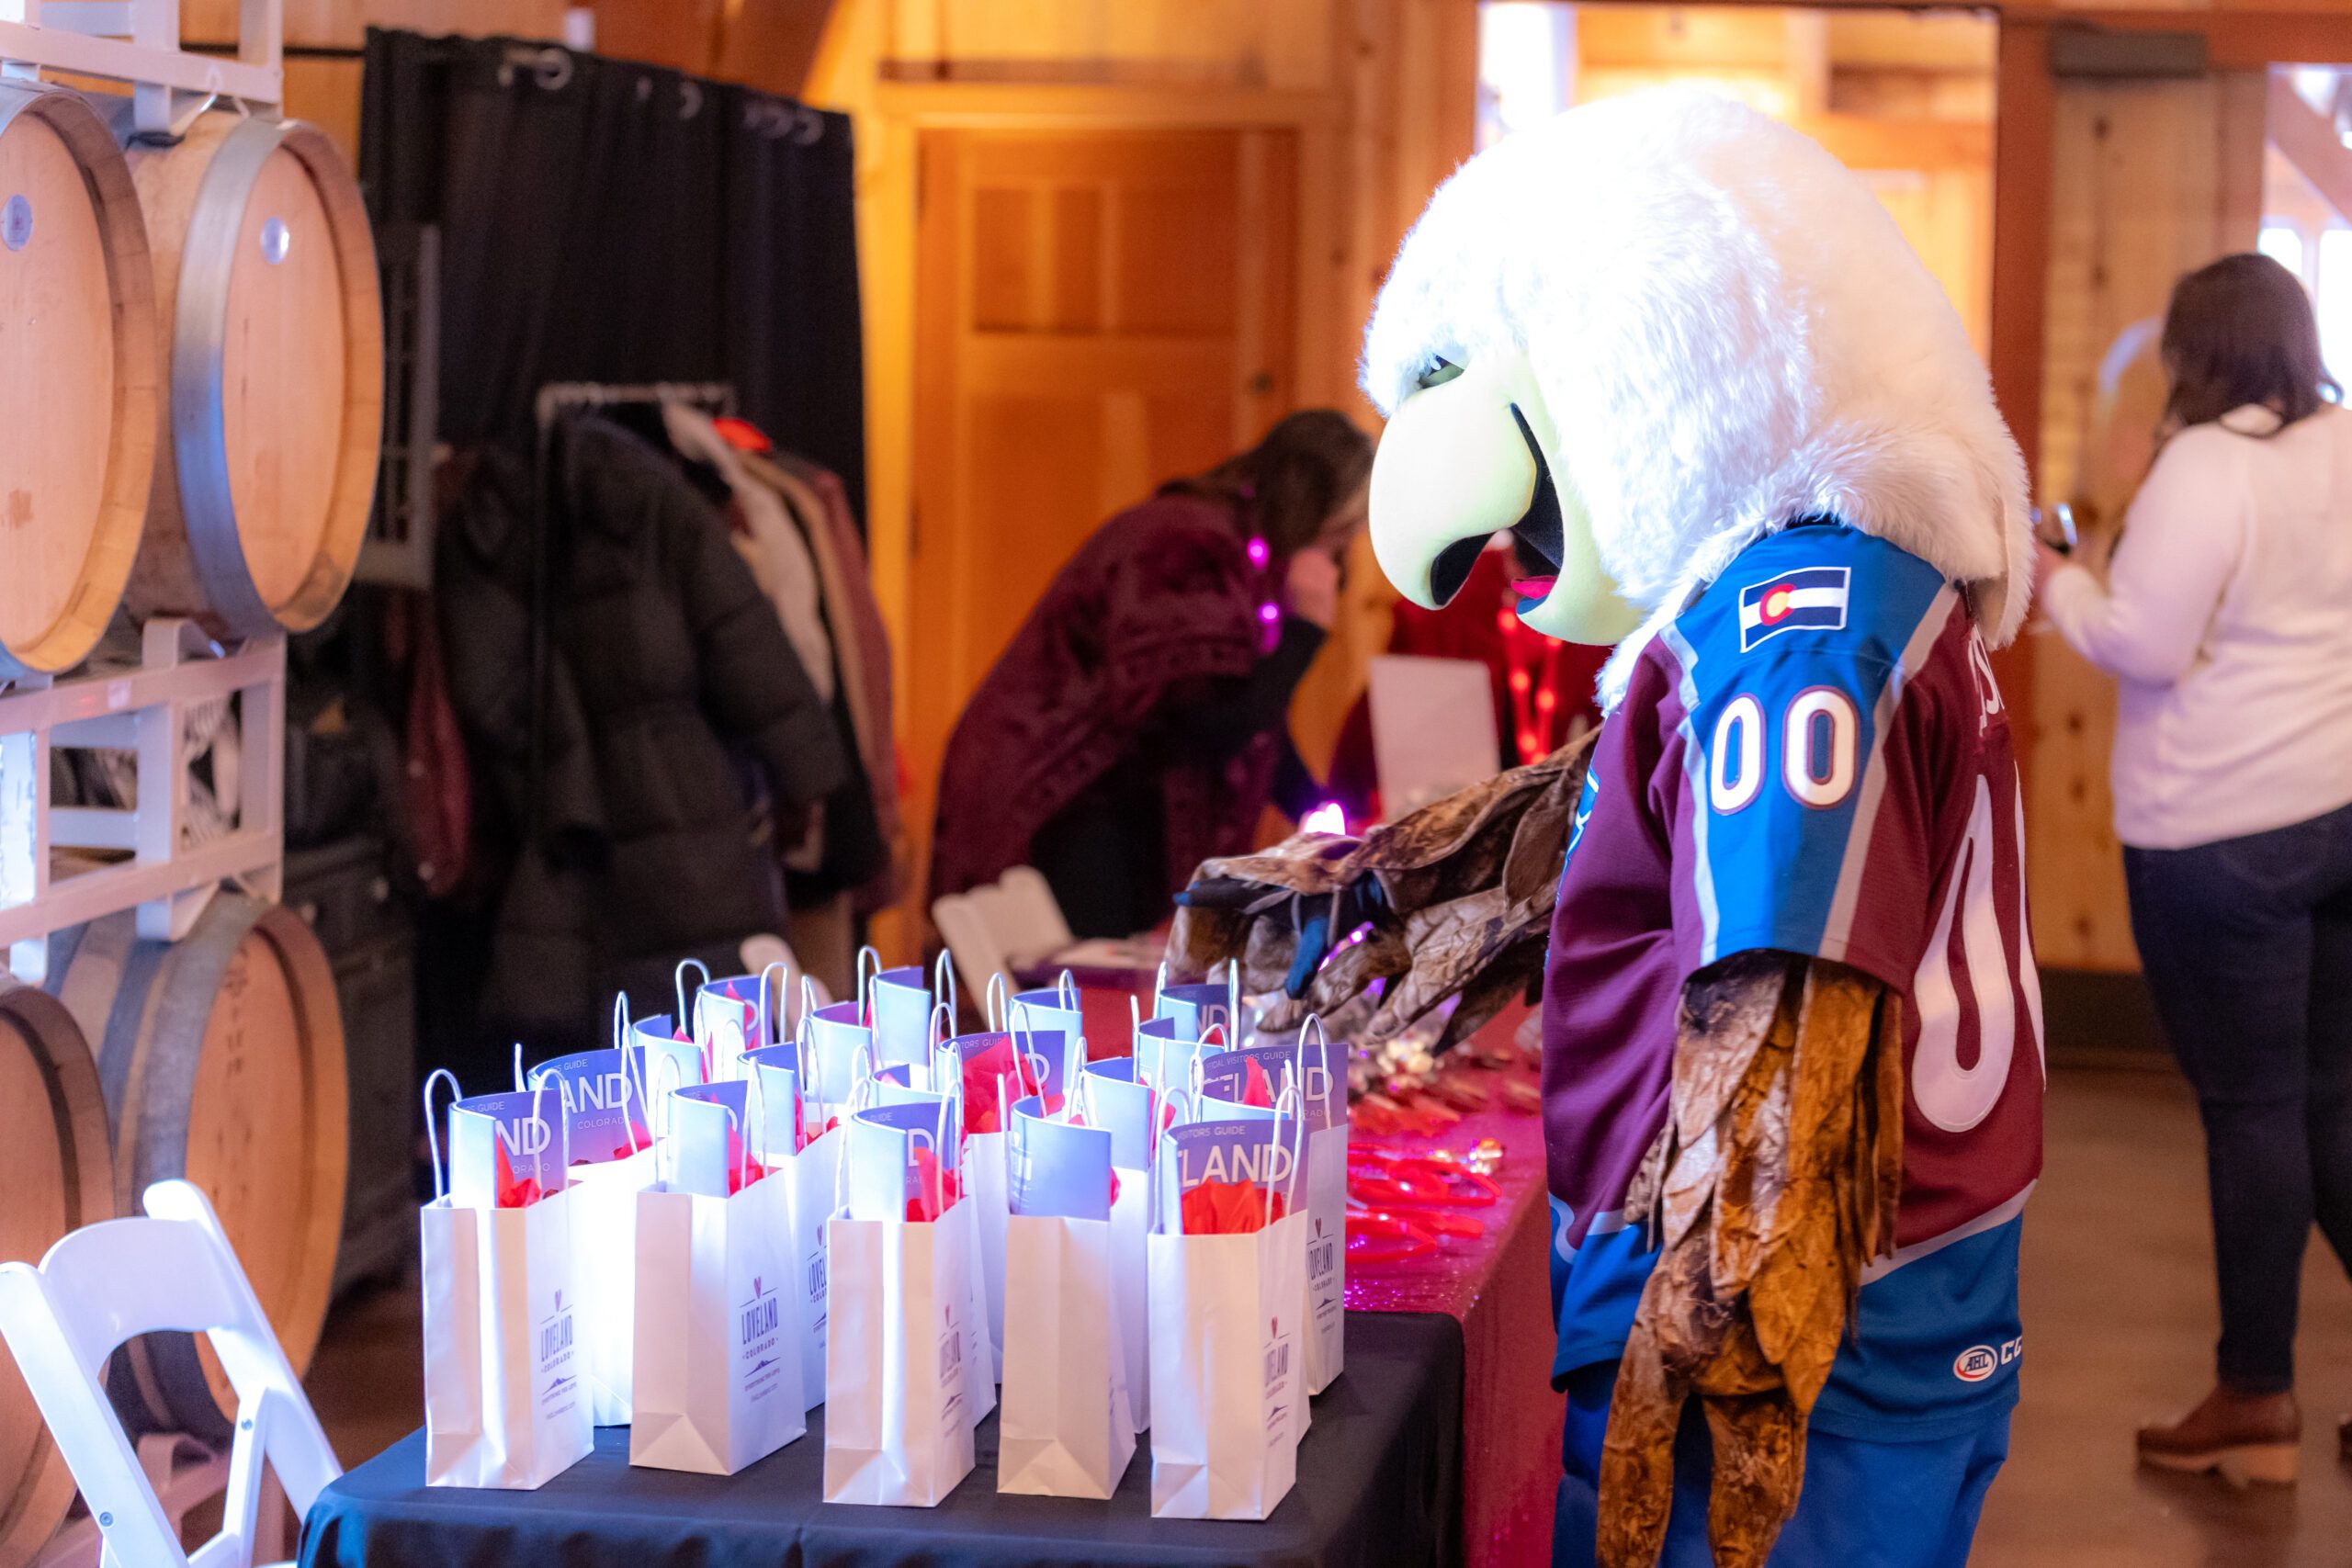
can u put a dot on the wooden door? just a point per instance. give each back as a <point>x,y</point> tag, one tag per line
<point>2149,179</point>
<point>1097,311</point>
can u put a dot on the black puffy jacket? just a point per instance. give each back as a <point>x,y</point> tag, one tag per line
<point>668,675</point>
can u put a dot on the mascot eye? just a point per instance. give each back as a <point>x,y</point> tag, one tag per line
<point>1440,372</point>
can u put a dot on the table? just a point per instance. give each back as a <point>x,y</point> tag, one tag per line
<point>1379,1482</point>
<point>1498,1289</point>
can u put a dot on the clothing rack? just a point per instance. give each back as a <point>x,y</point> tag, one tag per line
<point>555,399</point>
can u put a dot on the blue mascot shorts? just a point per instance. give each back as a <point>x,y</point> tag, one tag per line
<point>1865,1505</point>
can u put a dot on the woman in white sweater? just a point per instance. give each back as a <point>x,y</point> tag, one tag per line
<point>2225,614</point>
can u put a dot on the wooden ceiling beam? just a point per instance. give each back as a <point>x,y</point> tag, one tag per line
<point>2308,139</point>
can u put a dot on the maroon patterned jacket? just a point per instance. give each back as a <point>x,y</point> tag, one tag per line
<point>1162,598</point>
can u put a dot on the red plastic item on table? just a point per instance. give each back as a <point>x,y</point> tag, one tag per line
<point>1433,1177</point>
<point>1377,1239</point>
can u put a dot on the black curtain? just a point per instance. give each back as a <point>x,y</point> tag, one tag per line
<point>608,221</point>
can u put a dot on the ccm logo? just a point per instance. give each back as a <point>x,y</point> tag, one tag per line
<point>1981,1362</point>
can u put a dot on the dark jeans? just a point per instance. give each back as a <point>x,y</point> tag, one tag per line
<point>2248,949</point>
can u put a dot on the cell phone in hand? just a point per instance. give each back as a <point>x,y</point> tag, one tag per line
<point>2062,515</point>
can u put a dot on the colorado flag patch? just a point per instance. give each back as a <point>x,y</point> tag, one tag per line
<point>1811,598</point>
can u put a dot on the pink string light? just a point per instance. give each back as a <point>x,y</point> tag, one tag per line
<point>1328,817</point>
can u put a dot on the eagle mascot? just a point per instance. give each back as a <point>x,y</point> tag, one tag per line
<point>1791,1033</point>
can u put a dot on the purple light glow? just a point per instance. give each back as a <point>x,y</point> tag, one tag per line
<point>1257,552</point>
<point>1268,613</point>
<point>1328,817</point>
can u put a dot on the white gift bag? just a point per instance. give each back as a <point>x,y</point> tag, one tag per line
<point>1065,1429</point>
<point>1317,1068</point>
<point>898,1406</point>
<point>504,1405</point>
<point>612,1161</point>
<point>717,1333</point>
<point>988,1072</point>
<point>899,1010</point>
<point>809,1173</point>
<point>1114,1098</point>
<point>939,1113</point>
<point>1226,1388</point>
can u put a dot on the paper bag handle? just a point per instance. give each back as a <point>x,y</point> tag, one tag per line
<point>1299,1054</point>
<point>1172,1100</point>
<point>432,1133</point>
<point>995,1002</point>
<point>865,978</point>
<point>943,979</point>
<point>756,1084</point>
<point>1289,1097</point>
<point>769,1033</point>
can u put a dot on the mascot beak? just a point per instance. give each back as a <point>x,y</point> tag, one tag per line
<point>1470,453</point>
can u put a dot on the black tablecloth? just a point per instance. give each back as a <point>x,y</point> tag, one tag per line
<point>1379,1482</point>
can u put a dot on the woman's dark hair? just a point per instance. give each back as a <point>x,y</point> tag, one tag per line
<point>1287,485</point>
<point>2240,331</point>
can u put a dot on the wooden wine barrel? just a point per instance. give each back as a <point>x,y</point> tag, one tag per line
<point>266,281</point>
<point>221,1059</point>
<point>54,1177</point>
<point>79,362</point>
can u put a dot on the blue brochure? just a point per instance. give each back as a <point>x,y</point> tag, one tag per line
<point>1057,1168</point>
<point>498,1141</point>
<point>604,1111</point>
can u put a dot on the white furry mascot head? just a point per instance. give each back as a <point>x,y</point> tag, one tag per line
<point>1649,333</point>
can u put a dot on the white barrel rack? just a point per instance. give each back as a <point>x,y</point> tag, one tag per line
<point>143,711</point>
<point>138,41</point>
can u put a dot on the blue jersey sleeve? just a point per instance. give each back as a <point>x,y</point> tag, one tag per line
<point>1802,762</point>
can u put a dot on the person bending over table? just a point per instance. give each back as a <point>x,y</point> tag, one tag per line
<point>1137,725</point>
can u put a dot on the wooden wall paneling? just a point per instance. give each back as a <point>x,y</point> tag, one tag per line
<point>681,34</point>
<point>1064,368</point>
<point>2309,144</point>
<point>2020,267</point>
<point>343,23</point>
<point>770,44</point>
<point>2149,178</point>
<point>325,90</point>
<point>1412,120</point>
<point>1248,43</point>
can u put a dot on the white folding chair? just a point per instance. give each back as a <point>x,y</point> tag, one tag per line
<point>971,939</point>
<point>1033,924</point>
<point>118,1279</point>
<point>1015,919</point>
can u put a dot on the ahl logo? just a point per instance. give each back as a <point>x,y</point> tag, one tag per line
<point>1981,1362</point>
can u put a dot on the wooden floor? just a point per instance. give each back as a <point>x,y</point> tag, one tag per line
<point>2118,1312</point>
